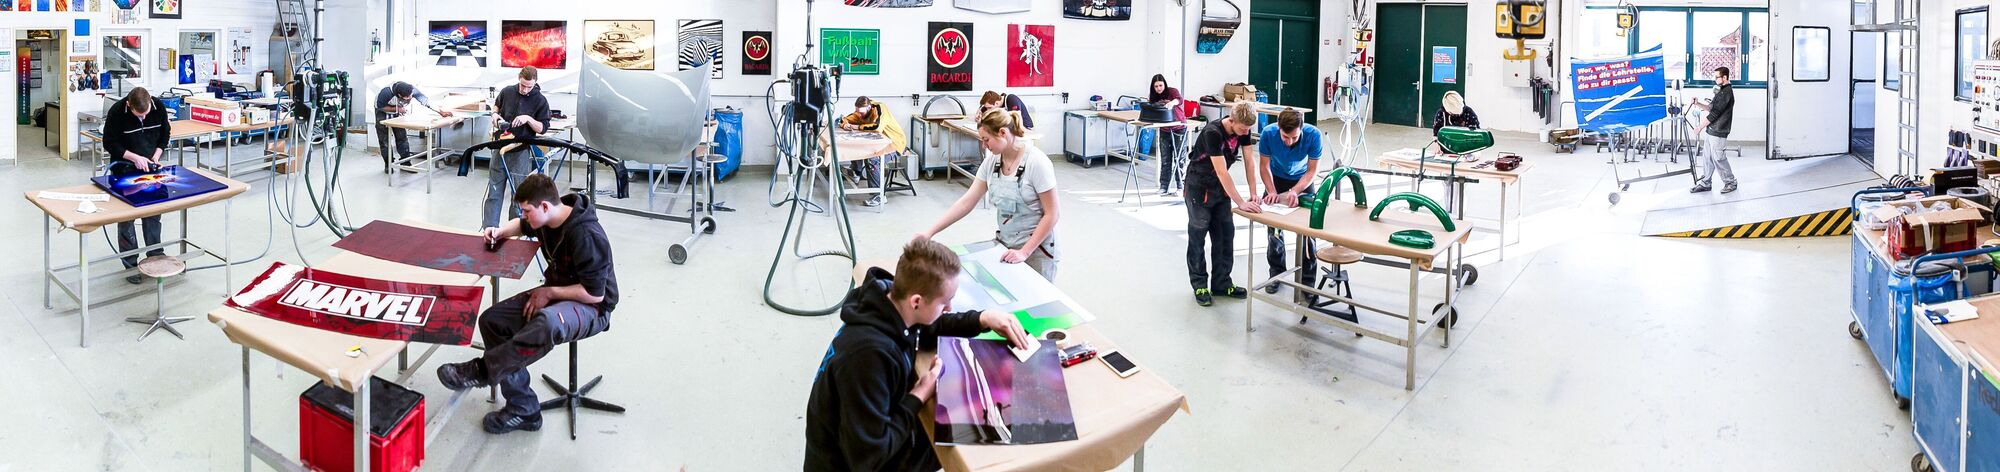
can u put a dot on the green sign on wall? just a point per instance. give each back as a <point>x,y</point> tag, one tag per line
<point>856,51</point>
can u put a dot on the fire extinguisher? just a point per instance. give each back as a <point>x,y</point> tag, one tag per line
<point>1329,85</point>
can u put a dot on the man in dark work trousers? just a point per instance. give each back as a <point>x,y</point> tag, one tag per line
<point>135,136</point>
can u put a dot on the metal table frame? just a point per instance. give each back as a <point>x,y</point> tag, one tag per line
<point>265,159</point>
<point>1131,153</point>
<point>81,294</point>
<point>1454,199</point>
<point>1298,304</point>
<point>423,163</point>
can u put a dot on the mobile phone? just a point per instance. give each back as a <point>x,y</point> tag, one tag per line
<point>1118,363</point>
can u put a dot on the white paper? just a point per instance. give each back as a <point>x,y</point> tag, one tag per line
<point>86,207</point>
<point>1950,312</point>
<point>1279,210</point>
<point>73,197</point>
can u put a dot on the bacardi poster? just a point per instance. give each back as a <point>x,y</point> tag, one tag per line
<point>949,61</point>
<point>381,309</point>
<point>757,53</point>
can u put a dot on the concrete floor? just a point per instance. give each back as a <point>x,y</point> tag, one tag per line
<point>1589,348</point>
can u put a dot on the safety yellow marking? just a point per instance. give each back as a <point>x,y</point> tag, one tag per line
<point>1826,223</point>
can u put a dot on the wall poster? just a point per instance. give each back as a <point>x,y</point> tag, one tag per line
<point>888,3</point>
<point>757,53</point>
<point>701,44</point>
<point>948,58</point>
<point>1102,10</point>
<point>538,44</point>
<point>458,43</point>
<point>992,7</point>
<point>165,9</point>
<point>240,47</point>
<point>624,44</point>
<point>1031,55</point>
<point>855,51</point>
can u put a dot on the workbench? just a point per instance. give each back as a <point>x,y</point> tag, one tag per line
<point>1131,155</point>
<point>1410,160</point>
<point>1349,226</point>
<point>265,157</point>
<point>58,215</point>
<point>1955,391</point>
<point>855,146</point>
<point>1882,322</point>
<point>423,163</point>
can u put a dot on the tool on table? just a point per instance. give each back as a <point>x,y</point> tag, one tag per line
<point>1414,238</point>
<point>1074,355</point>
<point>493,245</point>
<point>1318,201</point>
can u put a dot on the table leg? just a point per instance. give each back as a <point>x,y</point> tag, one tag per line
<point>430,139</point>
<point>83,288</point>
<point>1450,289</point>
<point>1248,304</point>
<point>48,223</point>
<point>228,259</point>
<point>184,231</point>
<point>246,409</point>
<point>1503,222</point>
<point>361,394</point>
<point>1410,348</point>
<point>1139,459</point>
<point>228,168</point>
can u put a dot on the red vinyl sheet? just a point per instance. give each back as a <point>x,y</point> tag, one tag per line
<point>381,309</point>
<point>440,250</point>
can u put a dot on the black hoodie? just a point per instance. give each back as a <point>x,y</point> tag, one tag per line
<point>861,416</point>
<point>578,252</point>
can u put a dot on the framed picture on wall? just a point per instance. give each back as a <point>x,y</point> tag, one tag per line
<point>542,44</point>
<point>458,43</point>
<point>624,44</point>
<point>1970,46</point>
<point>1810,51</point>
<point>857,51</point>
<point>164,9</point>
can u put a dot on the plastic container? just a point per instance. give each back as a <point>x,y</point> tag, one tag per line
<point>395,427</point>
<point>1870,202</point>
<point>728,141</point>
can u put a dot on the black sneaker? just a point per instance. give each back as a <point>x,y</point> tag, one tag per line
<point>1236,292</point>
<point>1203,298</point>
<point>502,422</point>
<point>134,279</point>
<point>460,376</point>
<point>1271,289</point>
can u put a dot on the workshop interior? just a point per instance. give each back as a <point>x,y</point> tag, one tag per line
<point>1001,235</point>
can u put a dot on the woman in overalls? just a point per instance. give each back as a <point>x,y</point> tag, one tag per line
<point>1018,180</point>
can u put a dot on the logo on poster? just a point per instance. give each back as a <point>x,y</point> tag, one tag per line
<point>357,303</point>
<point>950,48</point>
<point>757,48</point>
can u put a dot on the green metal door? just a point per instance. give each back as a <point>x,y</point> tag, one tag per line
<point>1284,40</point>
<point>1399,61</point>
<point>1444,27</point>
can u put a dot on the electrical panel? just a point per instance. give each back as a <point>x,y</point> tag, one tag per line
<point>1986,96</point>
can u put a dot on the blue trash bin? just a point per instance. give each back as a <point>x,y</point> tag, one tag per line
<point>1934,282</point>
<point>1263,119</point>
<point>728,141</point>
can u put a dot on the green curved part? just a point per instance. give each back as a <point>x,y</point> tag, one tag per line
<point>1415,199</point>
<point>1460,140</point>
<point>1319,201</point>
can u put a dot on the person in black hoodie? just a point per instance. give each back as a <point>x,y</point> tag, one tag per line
<point>866,398</point>
<point>522,111</point>
<point>135,136</point>
<point>574,302</point>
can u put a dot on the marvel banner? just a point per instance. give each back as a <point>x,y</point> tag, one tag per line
<point>950,58</point>
<point>360,306</point>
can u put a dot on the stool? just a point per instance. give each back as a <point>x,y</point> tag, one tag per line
<point>159,268</point>
<point>895,165</point>
<point>570,397</point>
<point>1338,257</point>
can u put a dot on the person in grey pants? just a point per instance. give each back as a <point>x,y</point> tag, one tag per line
<point>520,110</point>
<point>1721,113</point>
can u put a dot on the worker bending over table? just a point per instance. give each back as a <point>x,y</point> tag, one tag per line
<point>519,111</point>
<point>135,135</point>
<point>1008,102</point>
<point>391,102</point>
<point>1293,149</point>
<point>1454,113</point>
<point>869,115</point>
<point>1019,181</point>
<point>579,290</point>
<point>1210,192</point>
<point>1172,164</point>
<point>865,412</point>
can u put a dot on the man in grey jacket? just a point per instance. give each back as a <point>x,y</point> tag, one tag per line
<point>1721,114</point>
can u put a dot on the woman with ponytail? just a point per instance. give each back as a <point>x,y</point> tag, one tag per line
<point>1019,181</point>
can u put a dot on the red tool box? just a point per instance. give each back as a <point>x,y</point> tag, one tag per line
<point>395,427</point>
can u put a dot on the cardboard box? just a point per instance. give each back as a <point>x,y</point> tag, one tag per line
<point>1238,93</point>
<point>216,103</point>
<point>1911,235</point>
<point>215,116</point>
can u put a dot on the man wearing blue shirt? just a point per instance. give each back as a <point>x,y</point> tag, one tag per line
<point>1293,149</point>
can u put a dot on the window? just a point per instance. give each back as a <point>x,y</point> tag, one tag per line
<point>1599,30</point>
<point>1695,41</point>
<point>1971,47</point>
<point>1892,61</point>
<point>1809,53</point>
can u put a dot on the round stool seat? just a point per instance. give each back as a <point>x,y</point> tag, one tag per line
<point>162,266</point>
<point>1338,255</point>
<point>714,158</point>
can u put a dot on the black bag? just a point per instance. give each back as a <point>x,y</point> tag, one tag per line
<point>1156,113</point>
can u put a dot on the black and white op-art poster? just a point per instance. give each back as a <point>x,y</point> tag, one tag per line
<point>949,58</point>
<point>701,44</point>
<point>458,43</point>
<point>1104,10</point>
<point>757,53</point>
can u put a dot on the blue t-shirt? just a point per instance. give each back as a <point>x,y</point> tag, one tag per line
<point>1289,162</point>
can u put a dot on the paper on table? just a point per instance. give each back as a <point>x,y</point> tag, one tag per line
<point>73,197</point>
<point>1279,210</point>
<point>86,207</point>
<point>1949,312</point>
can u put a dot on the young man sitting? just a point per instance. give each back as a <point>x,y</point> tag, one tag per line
<point>868,394</point>
<point>574,302</point>
<point>870,115</point>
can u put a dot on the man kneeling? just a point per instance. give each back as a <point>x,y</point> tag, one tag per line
<point>574,302</point>
<point>867,396</point>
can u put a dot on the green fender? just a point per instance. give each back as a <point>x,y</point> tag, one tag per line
<point>1416,200</point>
<point>1319,201</point>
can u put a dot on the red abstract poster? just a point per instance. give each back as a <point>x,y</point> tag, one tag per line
<point>541,44</point>
<point>381,309</point>
<point>1031,55</point>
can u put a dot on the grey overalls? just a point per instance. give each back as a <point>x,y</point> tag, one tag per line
<point>1015,206</point>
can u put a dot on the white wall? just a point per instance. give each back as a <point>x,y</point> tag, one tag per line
<point>1937,111</point>
<point>1500,107</point>
<point>215,15</point>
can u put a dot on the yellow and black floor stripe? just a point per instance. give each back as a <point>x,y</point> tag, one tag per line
<point>1834,222</point>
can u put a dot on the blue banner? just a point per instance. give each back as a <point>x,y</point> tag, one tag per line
<point>1619,92</point>
<point>1444,65</point>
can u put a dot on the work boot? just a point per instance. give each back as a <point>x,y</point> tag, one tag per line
<point>1203,298</point>
<point>1236,292</point>
<point>1728,187</point>
<point>1700,188</point>
<point>462,376</point>
<point>502,422</point>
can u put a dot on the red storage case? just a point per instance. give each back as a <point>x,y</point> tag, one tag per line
<point>395,426</point>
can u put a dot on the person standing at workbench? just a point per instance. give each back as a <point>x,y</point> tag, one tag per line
<point>864,412</point>
<point>1293,149</point>
<point>391,102</point>
<point>520,111</point>
<point>135,136</point>
<point>1211,250</point>
<point>1173,162</point>
<point>1018,179</point>
<point>1715,136</point>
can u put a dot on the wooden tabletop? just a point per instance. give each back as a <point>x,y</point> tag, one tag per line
<point>423,122</point>
<point>1407,158</point>
<point>1131,117</point>
<point>859,146</point>
<point>115,210</point>
<point>258,126</point>
<point>968,127</point>
<point>184,129</point>
<point>1266,108</point>
<point>1349,226</point>
<point>1979,338</point>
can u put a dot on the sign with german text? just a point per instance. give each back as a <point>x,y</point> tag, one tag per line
<point>360,306</point>
<point>1619,92</point>
<point>949,64</point>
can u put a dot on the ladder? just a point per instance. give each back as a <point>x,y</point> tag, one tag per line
<point>1906,96</point>
<point>297,26</point>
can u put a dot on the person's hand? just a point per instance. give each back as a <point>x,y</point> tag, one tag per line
<point>141,163</point>
<point>1249,206</point>
<point>537,300</point>
<point>1015,256</point>
<point>1270,198</point>
<point>491,234</point>
<point>921,236</point>
<point>1290,199</point>
<point>443,113</point>
<point>927,381</point>
<point>1006,326</point>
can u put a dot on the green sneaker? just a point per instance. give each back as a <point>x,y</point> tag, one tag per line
<point>1202,297</point>
<point>1236,292</point>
